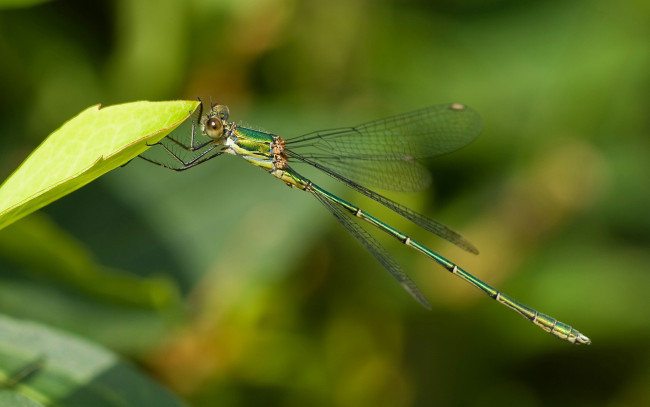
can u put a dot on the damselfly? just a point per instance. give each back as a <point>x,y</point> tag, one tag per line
<point>382,154</point>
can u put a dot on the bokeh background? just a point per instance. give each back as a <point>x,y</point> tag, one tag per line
<point>233,290</point>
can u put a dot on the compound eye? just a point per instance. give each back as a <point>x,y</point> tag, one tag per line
<point>222,112</point>
<point>214,128</point>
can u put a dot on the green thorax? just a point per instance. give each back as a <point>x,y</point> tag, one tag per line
<point>253,141</point>
<point>252,145</point>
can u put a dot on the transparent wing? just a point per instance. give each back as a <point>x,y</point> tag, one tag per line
<point>373,246</point>
<point>431,225</point>
<point>383,153</point>
<point>389,175</point>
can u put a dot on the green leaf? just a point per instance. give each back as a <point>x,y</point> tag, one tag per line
<point>68,371</point>
<point>63,258</point>
<point>86,147</point>
<point>14,399</point>
<point>11,4</point>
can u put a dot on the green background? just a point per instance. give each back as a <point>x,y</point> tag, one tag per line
<point>276,304</point>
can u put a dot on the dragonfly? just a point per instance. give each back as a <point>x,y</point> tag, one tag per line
<point>379,154</point>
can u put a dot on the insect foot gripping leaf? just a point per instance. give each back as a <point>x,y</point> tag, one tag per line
<point>84,148</point>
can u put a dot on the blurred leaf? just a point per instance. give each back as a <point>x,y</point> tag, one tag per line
<point>70,372</point>
<point>14,399</point>
<point>6,4</point>
<point>126,329</point>
<point>62,257</point>
<point>86,147</point>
